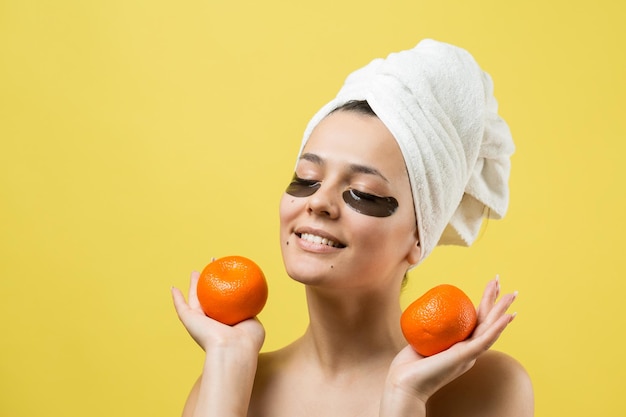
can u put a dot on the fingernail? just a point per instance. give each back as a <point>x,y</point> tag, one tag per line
<point>497,284</point>
<point>515,294</point>
<point>513,316</point>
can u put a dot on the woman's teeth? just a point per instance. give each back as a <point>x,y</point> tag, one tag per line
<point>319,240</point>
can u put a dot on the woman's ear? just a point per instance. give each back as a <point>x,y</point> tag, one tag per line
<point>415,253</point>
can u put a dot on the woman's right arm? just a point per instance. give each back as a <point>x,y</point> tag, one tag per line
<point>231,353</point>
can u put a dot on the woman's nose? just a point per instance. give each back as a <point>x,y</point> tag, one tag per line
<point>325,202</point>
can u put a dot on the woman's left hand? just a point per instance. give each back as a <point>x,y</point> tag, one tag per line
<point>413,379</point>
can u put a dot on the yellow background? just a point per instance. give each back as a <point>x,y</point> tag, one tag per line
<point>141,138</point>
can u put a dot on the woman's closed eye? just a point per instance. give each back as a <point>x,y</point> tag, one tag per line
<point>299,187</point>
<point>370,204</point>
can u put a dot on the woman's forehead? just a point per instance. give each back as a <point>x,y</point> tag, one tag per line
<point>354,138</point>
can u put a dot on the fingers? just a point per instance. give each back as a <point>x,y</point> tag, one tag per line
<point>193,290</point>
<point>486,339</point>
<point>178,298</point>
<point>499,310</point>
<point>492,291</point>
<point>490,308</point>
<point>492,317</point>
<point>501,306</point>
<point>180,304</point>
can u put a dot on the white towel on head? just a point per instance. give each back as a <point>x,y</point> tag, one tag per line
<point>440,108</point>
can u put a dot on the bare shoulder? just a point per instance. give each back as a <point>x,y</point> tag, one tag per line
<point>270,364</point>
<point>273,368</point>
<point>269,384</point>
<point>497,385</point>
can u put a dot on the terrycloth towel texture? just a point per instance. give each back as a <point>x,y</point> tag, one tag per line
<point>439,106</point>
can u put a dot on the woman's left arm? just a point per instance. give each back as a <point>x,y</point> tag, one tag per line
<point>413,379</point>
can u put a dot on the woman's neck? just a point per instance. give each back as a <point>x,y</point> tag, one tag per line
<point>348,328</point>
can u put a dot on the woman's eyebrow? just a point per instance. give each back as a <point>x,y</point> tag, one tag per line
<point>311,157</point>
<point>364,169</point>
<point>354,168</point>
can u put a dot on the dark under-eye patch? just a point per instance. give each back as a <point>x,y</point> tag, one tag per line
<point>364,203</point>
<point>369,204</point>
<point>299,187</point>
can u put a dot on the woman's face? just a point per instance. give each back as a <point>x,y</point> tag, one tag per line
<point>347,218</point>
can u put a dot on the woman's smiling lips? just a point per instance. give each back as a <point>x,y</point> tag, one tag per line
<point>315,239</point>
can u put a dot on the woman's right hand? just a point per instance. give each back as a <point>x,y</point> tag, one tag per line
<point>225,386</point>
<point>210,333</point>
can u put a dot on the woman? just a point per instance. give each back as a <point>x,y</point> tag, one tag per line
<point>410,154</point>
